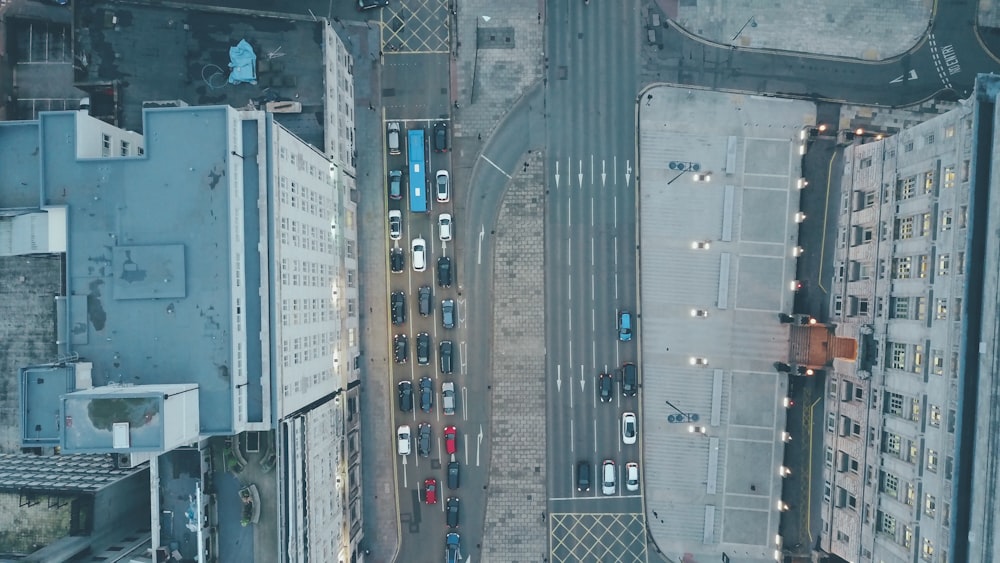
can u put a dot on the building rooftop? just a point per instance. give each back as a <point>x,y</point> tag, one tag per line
<point>719,177</point>
<point>148,259</point>
<point>183,54</point>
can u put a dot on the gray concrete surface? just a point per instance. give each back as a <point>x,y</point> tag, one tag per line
<point>858,29</point>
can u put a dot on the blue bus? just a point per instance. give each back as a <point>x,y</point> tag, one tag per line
<point>418,183</point>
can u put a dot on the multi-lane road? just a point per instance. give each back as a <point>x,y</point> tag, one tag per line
<point>590,249</point>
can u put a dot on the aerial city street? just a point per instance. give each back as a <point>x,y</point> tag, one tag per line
<point>521,281</point>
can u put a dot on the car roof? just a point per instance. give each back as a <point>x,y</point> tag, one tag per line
<point>395,213</point>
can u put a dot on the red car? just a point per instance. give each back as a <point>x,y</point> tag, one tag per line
<point>430,491</point>
<point>450,439</point>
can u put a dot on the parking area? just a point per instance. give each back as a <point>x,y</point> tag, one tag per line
<point>718,235</point>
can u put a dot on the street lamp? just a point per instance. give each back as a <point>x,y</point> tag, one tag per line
<point>752,22</point>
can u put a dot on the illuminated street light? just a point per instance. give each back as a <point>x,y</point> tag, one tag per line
<point>800,217</point>
<point>797,251</point>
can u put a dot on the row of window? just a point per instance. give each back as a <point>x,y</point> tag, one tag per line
<point>887,525</point>
<point>306,381</point>
<point>911,358</point>
<point>125,147</point>
<point>299,162</point>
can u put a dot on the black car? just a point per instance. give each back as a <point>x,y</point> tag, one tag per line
<point>424,300</point>
<point>372,4</point>
<point>440,136</point>
<point>423,348</point>
<point>405,396</point>
<point>630,380</point>
<point>399,348</point>
<point>397,261</point>
<point>451,508</point>
<point>424,440</point>
<point>444,271</point>
<point>453,475</point>
<point>447,350</point>
<point>426,394</point>
<point>583,476</point>
<point>606,387</point>
<point>448,313</point>
<point>398,303</point>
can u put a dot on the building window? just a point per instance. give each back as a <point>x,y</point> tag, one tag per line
<point>886,523</point>
<point>946,219</point>
<point>904,228</point>
<point>863,307</point>
<point>350,278</point>
<point>891,443</point>
<point>925,224</point>
<point>956,310</point>
<point>890,484</point>
<point>125,148</point>
<point>870,199</point>
<point>934,416</point>
<point>900,307</point>
<point>937,362</point>
<point>893,403</point>
<point>908,147</point>
<point>929,182</point>
<point>915,410</point>
<point>960,263</point>
<point>949,176</point>
<point>932,460</point>
<point>350,249</point>
<point>838,305</point>
<point>897,358</point>
<point>949,131</point>
<point>930,139</point>
<point>944,263</point>
<point>106,144</point>
<point>923,265</point>
<point>906,188</point>
<point>918,359</point>
<point>965,170</point>
<point>927,551</point>
<point>940,308</point>
<point>901,267</point>
<point>921,308</point>
<point>963,216</point>
<point>907,537</point>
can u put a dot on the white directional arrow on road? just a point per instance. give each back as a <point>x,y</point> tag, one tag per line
<point>912,76</point>
<point>628,173</point>
<point>583,382</point>
<point>461,311</point>
<point>579,174</point>
<point>479,253</point>
<point>557,174</point>
<point>479,442</point>
<point>604,174</point>
<point>559,378</point>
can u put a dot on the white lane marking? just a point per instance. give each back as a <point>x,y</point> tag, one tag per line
<point>593,361</point>
<point>583,383</point>
<point>595,433</point>
<point>569,211</point>
<point>404,470</point>
<point>559,378</point>
<point>569,287</point>
<point>579,175</point>
<point>571,448</point>
<point>570,319</point>
<point>616,251</point>
<point>461,357</point>
<point>460,305</point>
<point>628,172</point>
<point>592,258</point>
<point>465,411</point>
<point>483,156</point>
<point>569,172</point>
<point>479,441</point>
<point>591,170</point>
<point>465,438</point>
<point>557,174</point>
<point>616,211</point>
<point>614,170</point>
<point>592,287</point>
<point>616,285</point>
<point>569,252</point>
<point>604,173</point>
<point>593,319</point>
<point>591,211</point>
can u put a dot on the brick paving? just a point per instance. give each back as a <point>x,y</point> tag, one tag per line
<point>515,530</point>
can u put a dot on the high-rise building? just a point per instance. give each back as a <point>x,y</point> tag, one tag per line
<point>916,283</point>
<point>207,322</point>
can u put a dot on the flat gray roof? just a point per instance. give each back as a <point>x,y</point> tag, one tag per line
<point>722,247</point>
<point>148,261</point>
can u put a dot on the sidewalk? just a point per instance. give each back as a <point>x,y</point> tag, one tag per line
<point>858,29</point>
<point>379,504</point>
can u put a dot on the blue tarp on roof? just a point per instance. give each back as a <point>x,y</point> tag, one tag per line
<point>243,61</point>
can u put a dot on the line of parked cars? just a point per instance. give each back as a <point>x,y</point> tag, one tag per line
<point>421,393</point>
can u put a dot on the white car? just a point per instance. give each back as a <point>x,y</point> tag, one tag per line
<point>444,226</point>
<point>442,188</point>
<point>419,248</point>
<point>395,224</point>
<point>630,428</point>
<point>448,397</point>
<point>632,476</point>
<point>403,440</point>
<point>608,477</point>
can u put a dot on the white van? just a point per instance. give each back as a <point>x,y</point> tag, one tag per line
<point>608,477</point>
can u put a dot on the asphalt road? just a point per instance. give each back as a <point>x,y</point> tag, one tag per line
<point>945,62</point>
<point>412,95</point>
<point>590,242</point>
